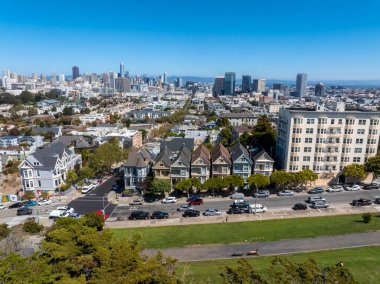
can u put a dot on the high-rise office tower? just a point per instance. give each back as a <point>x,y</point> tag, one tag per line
<point>218,87</point>
<point>35,76</point>
<point>301,85</point>
<point>43,77</point>
<point>61,78</point>
<point>320,90</point>
<point>112,77</point>
<point>258,85</point>
<point>122,69</point>
<point>123,85</point>
<point>75,70</point>
<point>165,78</point>
<point>229,83</point>
<point>246,84</point>
<point>6,73</point>
<point>54,78</point>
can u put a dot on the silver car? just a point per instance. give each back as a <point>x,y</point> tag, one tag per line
<point>212,212</point>
<point>319,204</point>
<point>286,192</point>
<point>184,207</point>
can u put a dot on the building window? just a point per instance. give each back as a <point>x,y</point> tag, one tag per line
<point>356,160</point>
<point>350,121</point>
<point>310,121</point>
<point>359,141</point>
<point>307,149</point>
<point>309,130</point>
<point>362,121</point>
<point>358,150</point>
<point>308,140</point>
<point>306,158</point>
<point>39,183</point>
<point>360,131</point>
<point>332,121</point>
<point>374,122</point>
<point>348,131</point>
<point>340,121</point>
<point>322,120</point>
<point>305,167</point>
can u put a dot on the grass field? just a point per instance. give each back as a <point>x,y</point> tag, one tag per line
<point>363,263</point>
<point>256,231</point>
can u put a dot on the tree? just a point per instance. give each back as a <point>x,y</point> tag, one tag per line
<point>86,172</point>
<point>233,181</point>
<point>184,185</point>
<point>160,186</point>
<point>243,273</point>
<point>258,180</point>
<point>29,195</point>
<point>32,111</point>
<point>223,122</point>
<point>354,171</point>
<point>4,231</point>
<point>265,134</point>
<point>244,139</point>
<point>213,184</point>
<point>106,155</point>
<point>44,195</point>
<point>144,134</point>
<point>281,178</point>
<point>366,217</point>
<point>26,97</point>
<point>71,177</point>
<point>68,111</point>
<point>304,176</point>
<point>226,136</point>
<point>373,166</point>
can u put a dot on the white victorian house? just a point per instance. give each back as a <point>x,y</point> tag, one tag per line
<point>46,169</point>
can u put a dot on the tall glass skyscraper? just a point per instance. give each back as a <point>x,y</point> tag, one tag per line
<point>122,70</point>
<point>301,85</point>
<point>229,83</point>
<point>75,70</point>
<point>246,85</point>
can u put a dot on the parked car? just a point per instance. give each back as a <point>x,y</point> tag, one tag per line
<point>136,202</point>
<point>371,186</point>
<point>2,206</point>
<point>319,204</point>
<point>235,210</point>
<point>24,211</point>
<point>312,199</point>
<point>316,190</point>
<point>286,192</point>
<point>361,202</point>
<point>299,206</point>
<point>239,201</point>
<point>75,215</point>
<point>244,204</point>
<point>159,215</point>
<point>87,188</point>
<point>377,201</point>
<point>191,213</point>
<point>59,214</point>
<point>193,197</point>
<point>261,194</point>
<point>169,199</point>
<point>44,202</point>
<point>335,188</point>
<point>184,207</point>
<point>354,187</point>
<point>257,208</point>
<point>212,212</point>
<point>30,203</point>
<point>196,201</point>
<point>237,195</point>
<point>16,205</point>
<point>66,208</point>
<point>139,215</point>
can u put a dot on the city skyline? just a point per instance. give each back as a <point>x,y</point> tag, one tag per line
<point>202,39</point>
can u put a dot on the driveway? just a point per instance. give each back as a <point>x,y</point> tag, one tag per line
<point>208,252</point>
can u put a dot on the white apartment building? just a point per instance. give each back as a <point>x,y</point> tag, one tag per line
<point>325,141</point>
<point>89,118</point>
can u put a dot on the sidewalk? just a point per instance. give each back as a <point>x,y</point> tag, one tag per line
<point>113,223</point>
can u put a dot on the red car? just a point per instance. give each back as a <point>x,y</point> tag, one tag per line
<point>196,201</point>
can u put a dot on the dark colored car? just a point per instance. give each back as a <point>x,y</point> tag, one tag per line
<point>371,186</point>
<point>243,205</point>
<point>191,213</point>
<point>24,211</point>
<point>377,201</point>
<point>316,190</point>
<point>235,210</point>
<point>361,202</point>
<point>196,201</point>
<point>159,215</point>
<point>139,215</point>
<point>193,197</point>
<point>299,206</point>
<point>16,205</point>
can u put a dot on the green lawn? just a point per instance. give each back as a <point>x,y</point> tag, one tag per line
<point>364,264</point>
<point>255,231</point>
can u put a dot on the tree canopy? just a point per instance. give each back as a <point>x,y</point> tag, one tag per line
<point>106,155</point>
<point>354,171</point>
<point>233,181</point>
<point>281,178</point>
<point>265,134</point>
<point>373,165</point>
<point>258,180</point>
<point>160,186</point>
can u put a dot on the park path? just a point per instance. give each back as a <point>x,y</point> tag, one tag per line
<point>223,251</point>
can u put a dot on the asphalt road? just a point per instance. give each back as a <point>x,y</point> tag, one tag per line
<point>273,203</point>
<point>206,252</point>
<point>96,199</point>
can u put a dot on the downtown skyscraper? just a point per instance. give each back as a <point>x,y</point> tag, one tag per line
<point>246,84</point>
<point>122,70</point>
<point>75,72</point>
<point>229,83</point>
<point>301,85</point>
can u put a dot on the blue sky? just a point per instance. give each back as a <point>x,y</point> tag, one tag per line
<point>269,38</point>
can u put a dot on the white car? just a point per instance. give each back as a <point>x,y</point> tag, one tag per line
<point>58,214</point>
<point>212,212</point>
<point>87,188</point>
<point>355,187</point>
<point>185,207</point>
<point>2,206</point>
<point>257,208</point>
<point>44,202</point>
<point>66,208</point>
<point>169,199</point>
<point>335,188</point>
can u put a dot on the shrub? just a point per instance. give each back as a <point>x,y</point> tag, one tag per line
<point>32,227</point>
<point>93,220</point>
<point>367,217</point>
<point>4,231</point>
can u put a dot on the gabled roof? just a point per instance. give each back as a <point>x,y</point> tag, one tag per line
<point>184,156</point>
<point>54,129</point>
<point>176,143</point>
<point>49,155</point>
<point>262,153</point>
<point>203,153</point>
<point>237,151</point>
<point>221,151</point>
<point>138,158</point>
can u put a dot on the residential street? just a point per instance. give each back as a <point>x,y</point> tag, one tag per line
<point>205,252</point>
